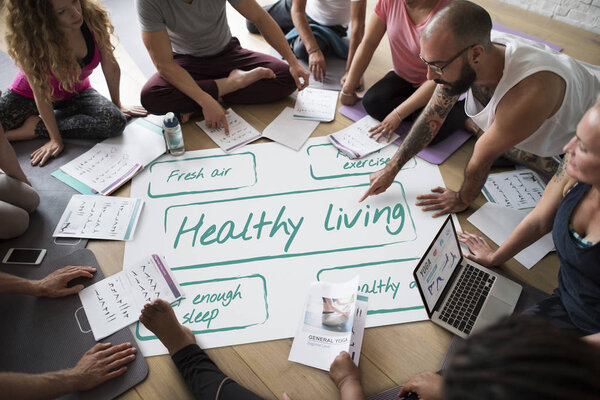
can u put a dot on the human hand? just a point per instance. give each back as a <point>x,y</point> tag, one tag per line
<point>215,115</point>
<point>428,386</point>
<point>101,363</point>
<point>386,127</point>
<point>447,201</point>
<point>343,371</point>
<point>55,284</point>
<point>317,65</point>
<point>47,151</point>
<point>134,111</point>
<point>380,181</point>
<point>300,75</point>
<point>480,250</point>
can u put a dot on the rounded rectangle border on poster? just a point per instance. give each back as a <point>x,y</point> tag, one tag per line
<point>336,164</point>
<point>389,284</point>
<point>280,225</point>
<point>206,174</point>
<point>206,303</point>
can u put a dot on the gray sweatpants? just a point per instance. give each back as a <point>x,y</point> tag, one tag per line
<point>17,200</point>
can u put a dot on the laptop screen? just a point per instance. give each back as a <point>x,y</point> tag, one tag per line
<point>437,265</point>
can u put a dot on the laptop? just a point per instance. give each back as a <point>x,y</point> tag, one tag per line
<point>461,295</point>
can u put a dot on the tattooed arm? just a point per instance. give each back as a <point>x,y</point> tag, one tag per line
<point>535,225</point>
<point>544,165</point>
<point>421,134</point>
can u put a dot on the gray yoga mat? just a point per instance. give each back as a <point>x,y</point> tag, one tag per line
<point>8,70</point>
<point>529,296</point>
<point>40,335</point>
<point>123,16</point>
<point>54,196</point>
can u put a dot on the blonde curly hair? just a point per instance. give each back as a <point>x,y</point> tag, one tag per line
<point>38,45</point>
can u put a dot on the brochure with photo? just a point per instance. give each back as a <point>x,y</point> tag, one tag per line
<point>333,320</point>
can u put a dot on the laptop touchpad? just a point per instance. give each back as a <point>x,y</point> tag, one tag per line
<point>493,311</point>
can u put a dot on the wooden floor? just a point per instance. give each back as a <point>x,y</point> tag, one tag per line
<point>390,354</point>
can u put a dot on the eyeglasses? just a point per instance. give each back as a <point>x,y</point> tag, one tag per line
<point>440,69</point>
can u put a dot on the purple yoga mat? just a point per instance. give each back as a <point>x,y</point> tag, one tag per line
<point>435,153</point>
<point>504,29</point>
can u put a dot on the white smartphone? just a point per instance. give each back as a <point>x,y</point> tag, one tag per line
<point>24,256</point>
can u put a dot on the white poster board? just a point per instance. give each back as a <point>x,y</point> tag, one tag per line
<point>246,233</point>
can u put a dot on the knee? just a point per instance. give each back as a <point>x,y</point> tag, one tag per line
<point>19,219</point>
<point>151,99</point>
<point>31,199</point>
<point>374,105</point>
<point>251,27</point>
<point>115,122</point>
<point>299,49</point>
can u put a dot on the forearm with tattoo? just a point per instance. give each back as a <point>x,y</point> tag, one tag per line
<point>475,177</point>
<point>425,127</point>
<point>544,165</point>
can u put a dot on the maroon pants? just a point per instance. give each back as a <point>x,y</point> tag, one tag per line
<point>159,96</point>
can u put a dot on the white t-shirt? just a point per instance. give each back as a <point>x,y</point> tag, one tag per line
<point>330,12</point>
<point>524,58</point>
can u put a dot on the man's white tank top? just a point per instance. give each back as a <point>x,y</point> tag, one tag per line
<point>524,58</point>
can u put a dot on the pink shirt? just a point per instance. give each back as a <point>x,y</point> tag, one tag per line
<point>405,38</point>
<point>21,85</point>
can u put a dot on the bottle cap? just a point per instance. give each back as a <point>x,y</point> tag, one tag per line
<point>170,120</point>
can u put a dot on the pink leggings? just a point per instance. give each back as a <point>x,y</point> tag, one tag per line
<point>159,96</point>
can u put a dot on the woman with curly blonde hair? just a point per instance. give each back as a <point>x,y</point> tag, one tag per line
<point>57,44</point>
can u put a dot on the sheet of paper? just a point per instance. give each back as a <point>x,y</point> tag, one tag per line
<point>354,141</point>
<point>116,301</point>
<point>498,222</point>
<point>99,217</point>
<point>316,104</point>
<point>240,133</point>
<point>111,163</point>
<point>330,323</point>
<point>519,189</point>
<point>287,130</point>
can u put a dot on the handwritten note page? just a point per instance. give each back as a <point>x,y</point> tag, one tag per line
<point>95,217</point>
<point>111,163</point>
<point>514,189</point>
<point>316,104</point>
<point>115,302</point>
<point>354,141</point>
<point>240,133</point>
<point>289,131</point>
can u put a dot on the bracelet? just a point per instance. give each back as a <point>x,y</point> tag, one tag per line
<point>398,115</point>
<point>313,51</point>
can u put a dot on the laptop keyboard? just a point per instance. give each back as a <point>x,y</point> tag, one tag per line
<point>467,298</point>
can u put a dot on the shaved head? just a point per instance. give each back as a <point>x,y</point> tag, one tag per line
<point>468,22</point>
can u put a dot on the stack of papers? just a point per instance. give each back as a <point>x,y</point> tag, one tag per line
<point>355,140</point>
<point>116,301</point>
<point>518,190</point>
<point>110,164</point>
<point>333,321</point>
<point>316,104</point>
<point>95,217</point>
<point>240,133</point>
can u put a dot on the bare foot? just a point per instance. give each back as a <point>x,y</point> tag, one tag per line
<point>185,117</point>
<point>25,131</point>
<point>239,79</point>
<point>160,318</point>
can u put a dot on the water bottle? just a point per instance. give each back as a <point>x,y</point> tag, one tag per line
<point>173,135</point>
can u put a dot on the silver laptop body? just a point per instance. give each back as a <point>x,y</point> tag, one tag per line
<point>461,295</point>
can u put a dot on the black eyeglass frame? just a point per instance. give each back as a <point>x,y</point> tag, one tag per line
<point>440,69</point>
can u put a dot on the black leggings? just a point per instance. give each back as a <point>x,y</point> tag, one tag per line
<point>205,379</point>
<point>392,90</point>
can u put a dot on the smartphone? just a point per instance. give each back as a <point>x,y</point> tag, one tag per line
<point>24,256</point>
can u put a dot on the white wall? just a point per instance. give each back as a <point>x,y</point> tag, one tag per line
<point>584,14</point>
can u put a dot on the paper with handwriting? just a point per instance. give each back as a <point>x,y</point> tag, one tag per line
<point>355,140</point>
<point>99,217</point>
<point>111,163</point>
<point>316,104</point>
<point>116,301</point>
<point>518,189</point>
<point>240,133</point>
